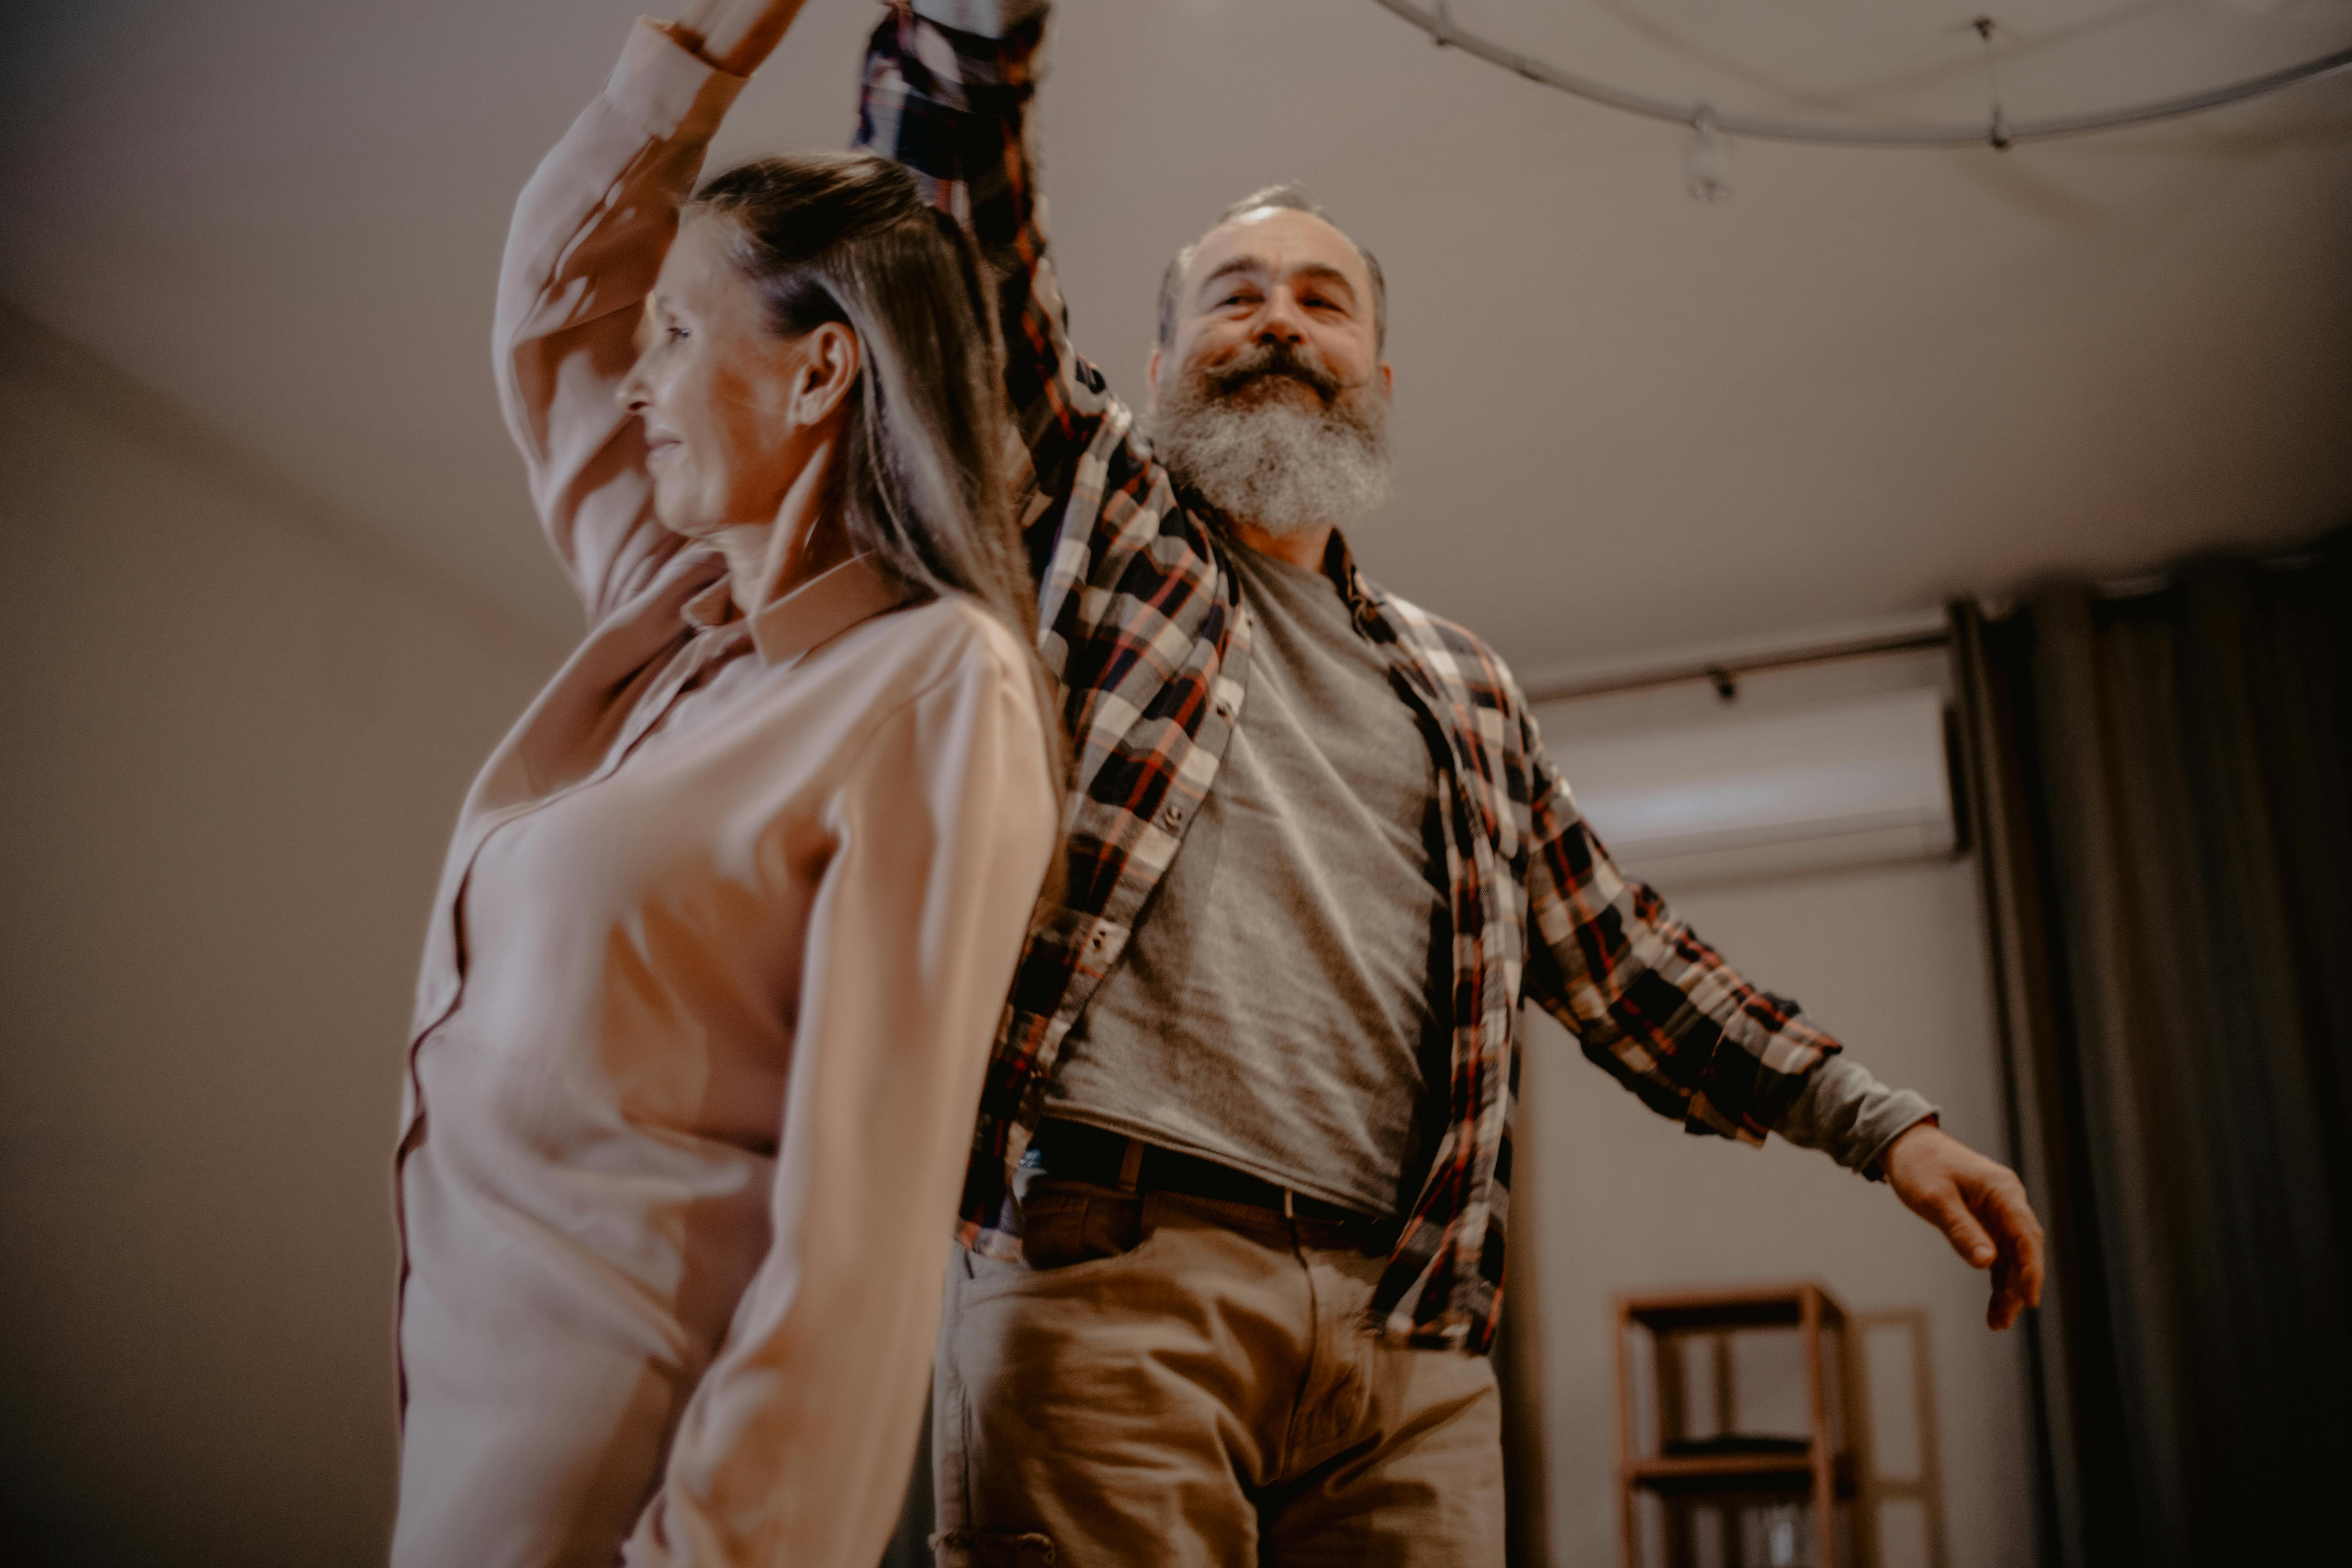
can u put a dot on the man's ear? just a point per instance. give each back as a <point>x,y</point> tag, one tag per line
<point>1387,376</point>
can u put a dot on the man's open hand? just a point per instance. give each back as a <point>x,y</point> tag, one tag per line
<point>1980,1207</point>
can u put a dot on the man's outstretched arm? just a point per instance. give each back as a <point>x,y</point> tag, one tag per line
<point>1650,1003</point>
<point>1663,1012</point>
<point>736,36</point>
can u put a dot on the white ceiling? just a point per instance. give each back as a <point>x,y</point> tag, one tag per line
<point>1625,420</point>
<point>1913,60</point>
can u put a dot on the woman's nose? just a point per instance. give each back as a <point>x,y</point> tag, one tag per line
<point>633,393</point>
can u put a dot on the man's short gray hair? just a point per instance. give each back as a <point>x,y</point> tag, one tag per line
<point>1292,198</point>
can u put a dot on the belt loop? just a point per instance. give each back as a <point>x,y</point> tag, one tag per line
<point>1130,1165</point>
<point>1288,1211</point>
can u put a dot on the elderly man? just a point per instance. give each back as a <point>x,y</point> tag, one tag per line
<point>1233,1235</point>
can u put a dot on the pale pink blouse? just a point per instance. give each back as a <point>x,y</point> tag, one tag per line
<point>709,985</point>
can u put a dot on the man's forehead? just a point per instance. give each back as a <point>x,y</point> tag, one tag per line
<point>1283,240</point>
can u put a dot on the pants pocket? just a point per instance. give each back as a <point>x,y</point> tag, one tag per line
<point>1067,1223</point>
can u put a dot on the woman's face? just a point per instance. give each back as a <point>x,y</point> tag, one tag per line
<point>725,403</point>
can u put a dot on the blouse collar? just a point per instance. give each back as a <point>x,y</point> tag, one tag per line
<point>816,612</point>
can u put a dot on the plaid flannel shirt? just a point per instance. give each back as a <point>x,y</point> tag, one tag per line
<point>1141,623</point>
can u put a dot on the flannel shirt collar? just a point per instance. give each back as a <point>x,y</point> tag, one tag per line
<point>1339,561</point>
<point>1340,566</point>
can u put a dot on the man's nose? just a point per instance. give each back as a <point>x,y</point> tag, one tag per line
<point>1281,321</point>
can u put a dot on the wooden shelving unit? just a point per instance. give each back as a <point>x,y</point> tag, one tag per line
<point>1816,1468</point>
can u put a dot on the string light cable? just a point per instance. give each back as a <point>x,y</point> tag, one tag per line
<point>1709,124</point>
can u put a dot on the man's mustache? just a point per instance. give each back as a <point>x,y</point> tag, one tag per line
<point>1262,362</point>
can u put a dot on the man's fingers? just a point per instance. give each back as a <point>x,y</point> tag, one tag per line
<point>2014,1294</point>
<point>1980,1207</point>
<point>2002,1207</point>
<point>2030,1265</point>
<point>1969,1238</point>
<point>2000,1204</point>
<point>2001,1310</point>
<point>2008,1297</point>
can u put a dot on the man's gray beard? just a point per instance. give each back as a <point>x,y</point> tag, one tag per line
<point>1273,463</point>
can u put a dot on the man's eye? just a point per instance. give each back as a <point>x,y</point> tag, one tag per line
<point>674,333</point>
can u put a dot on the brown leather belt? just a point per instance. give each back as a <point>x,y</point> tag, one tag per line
<point>1074,1152</point>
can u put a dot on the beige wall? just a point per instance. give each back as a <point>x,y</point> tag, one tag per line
<point>235,741</point>
<point>1891,960</point>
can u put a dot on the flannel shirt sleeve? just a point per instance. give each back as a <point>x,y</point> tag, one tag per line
<point>1649,1001</point>
<point>948,89</point>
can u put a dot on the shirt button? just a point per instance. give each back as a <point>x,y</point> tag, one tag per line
<point>1170,816</point>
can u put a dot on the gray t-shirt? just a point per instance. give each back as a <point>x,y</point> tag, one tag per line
<point>1279,1008</point>
<point>1849,1115</point>
<point>1274,1011</point>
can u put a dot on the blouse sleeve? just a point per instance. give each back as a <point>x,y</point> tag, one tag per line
<point>796,1445</point>
<point>587,240</point>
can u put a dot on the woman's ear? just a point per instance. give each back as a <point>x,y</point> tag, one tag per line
<point>827,370</point>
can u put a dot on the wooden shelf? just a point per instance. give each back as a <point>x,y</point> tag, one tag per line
<point>1760,1307</point>
<point>1725,1473</point>
<point>1822,1475</point>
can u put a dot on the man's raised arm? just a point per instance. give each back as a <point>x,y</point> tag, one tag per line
<point>947,92</point>
<point>736,36</point>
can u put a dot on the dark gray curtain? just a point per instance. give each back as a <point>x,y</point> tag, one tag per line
<point>2161,793</point>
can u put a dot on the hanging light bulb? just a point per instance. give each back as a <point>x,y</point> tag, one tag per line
<point>1706,163</point>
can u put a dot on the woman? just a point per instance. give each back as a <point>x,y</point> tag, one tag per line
<point>730,914</point>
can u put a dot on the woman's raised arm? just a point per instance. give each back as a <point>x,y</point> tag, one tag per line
<point>587,240</point>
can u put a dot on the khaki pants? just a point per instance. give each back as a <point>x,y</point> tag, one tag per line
<point>1174,1381</point>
